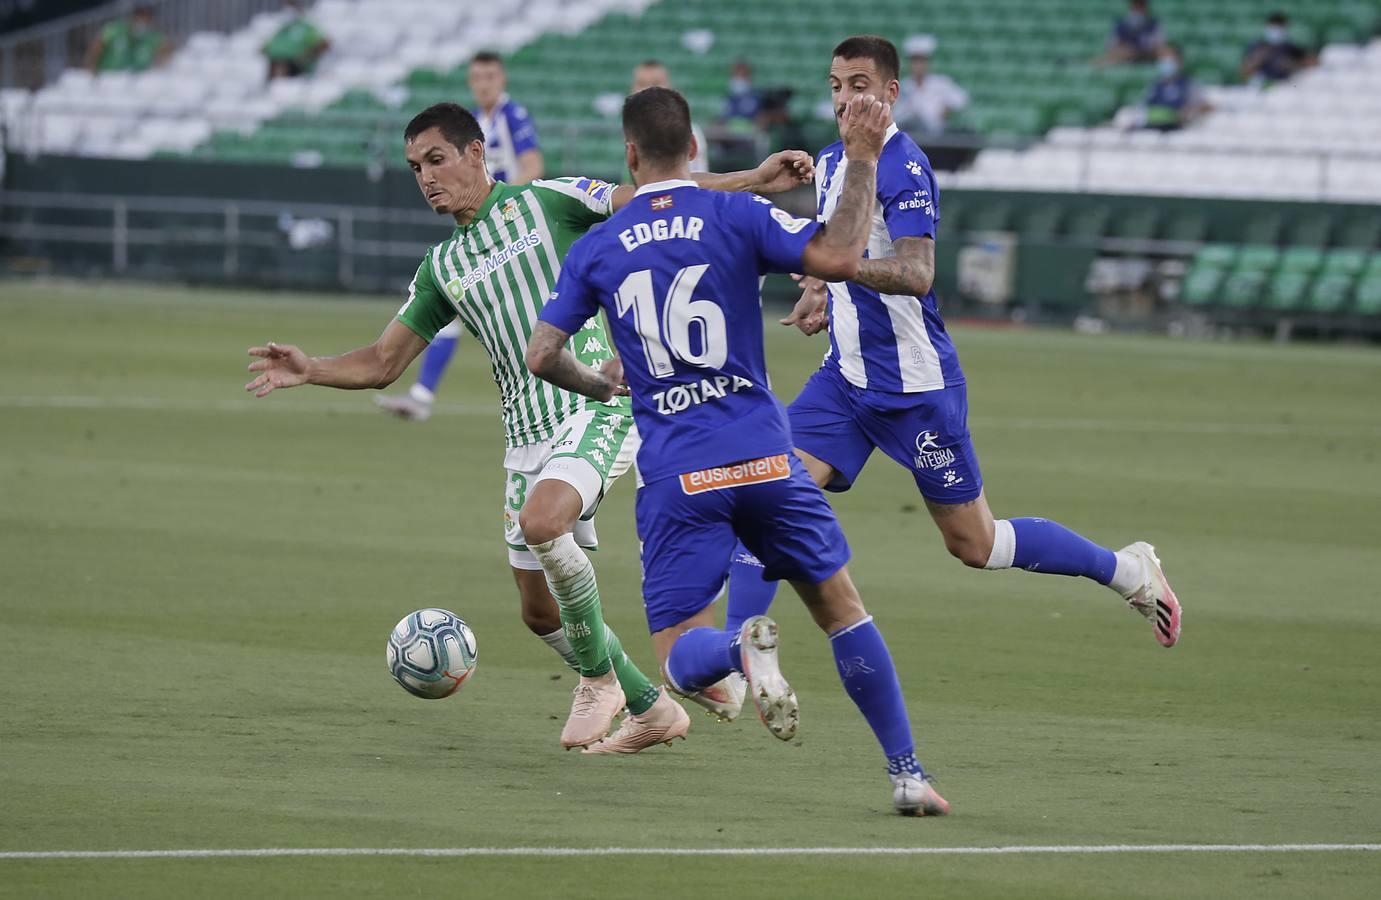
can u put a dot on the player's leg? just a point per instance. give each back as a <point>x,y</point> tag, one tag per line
<point>556,519</point>
<point>930,437</point>
<point>416,404</point>
<point>870,679</point>
<point>833,448</point>
<point>542,616</point>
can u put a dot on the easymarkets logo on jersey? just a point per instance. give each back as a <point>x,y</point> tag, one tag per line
<point>493,262</point>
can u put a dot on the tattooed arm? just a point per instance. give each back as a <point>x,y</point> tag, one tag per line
<point>911,271</point>
<point>550,360</point>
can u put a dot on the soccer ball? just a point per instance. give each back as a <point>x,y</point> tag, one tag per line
<point>431,653</point>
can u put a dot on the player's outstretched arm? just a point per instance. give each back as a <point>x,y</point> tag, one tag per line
<point>780,172</point>
<point>910,271</point>
<point>375,366</point>
<point>836,250</point>
<point>550,360</point>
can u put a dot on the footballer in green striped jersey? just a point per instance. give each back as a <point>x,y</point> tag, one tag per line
<point>563,452</point>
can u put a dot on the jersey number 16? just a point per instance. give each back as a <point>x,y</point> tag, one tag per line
<point>679,312</point>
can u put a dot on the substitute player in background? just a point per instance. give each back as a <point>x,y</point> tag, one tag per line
<point>513,157</point>
<point>653,73</point>
<point>563,453</point>
<point>677,272</point>
<point>892,380</point>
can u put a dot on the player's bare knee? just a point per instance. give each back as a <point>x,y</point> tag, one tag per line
<point>541,524</point>
<point>969,549</point>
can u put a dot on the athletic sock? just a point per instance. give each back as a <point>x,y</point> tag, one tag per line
<point>702,656</point>
<point>1040,545</point>
<point>638,691</point>
<point>571,579</point>
<point>749,593</point>
<point>870,680</point>
<point>1130,574</point>
<point>434,362</point>
<point>558,641</point>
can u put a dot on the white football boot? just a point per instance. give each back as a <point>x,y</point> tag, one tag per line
<point>1154,599</point>
<point>774,698</point>
<point>912,795</point>
<point>404,406</point>
<point>722,700</point>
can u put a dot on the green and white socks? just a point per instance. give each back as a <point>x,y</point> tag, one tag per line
<point>594,647</point>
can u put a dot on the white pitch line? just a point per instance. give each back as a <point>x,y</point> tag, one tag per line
<point>362,406</point>
<point>1018,850</point>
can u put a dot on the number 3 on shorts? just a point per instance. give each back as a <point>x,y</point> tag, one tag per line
<point>517,491</point>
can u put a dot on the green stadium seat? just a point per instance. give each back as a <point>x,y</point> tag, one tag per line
<point>1333,287</point>
<point>1207,273</point>
<point>1360,231</point>
<point>989,217</point>
<point>1042,221</point>
<point>1244,288</point>
<point>1290,285</point>
<point>1368,296</point>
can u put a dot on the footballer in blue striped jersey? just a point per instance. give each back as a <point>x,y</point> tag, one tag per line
<point>891,380</point>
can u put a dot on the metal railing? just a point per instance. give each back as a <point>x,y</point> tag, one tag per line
<point>251,241</point>
<point>33,57</point>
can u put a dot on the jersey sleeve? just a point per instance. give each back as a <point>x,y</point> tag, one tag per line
<point>778,238</point>
<point>574,301</point>
<point>427,310</point>
<point>521,129</point>
<point>909,197</point>
<point>578,203</point>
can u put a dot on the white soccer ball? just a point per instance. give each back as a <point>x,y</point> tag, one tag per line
<point>431,653</point>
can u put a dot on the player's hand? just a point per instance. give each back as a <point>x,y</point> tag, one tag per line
<point>612,370</point>
<point>783,171</point>
<point>809,314</point>
<point>864,127</point>
<point>279,366</point>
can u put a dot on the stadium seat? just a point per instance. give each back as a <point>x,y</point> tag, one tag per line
<point>1207,273</point>
<point>1333,287</point>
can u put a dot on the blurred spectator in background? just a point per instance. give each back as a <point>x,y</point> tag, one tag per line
<point>652,73</point>
<point>294,49</point>
<point>131,43</point>
<point>927,98</point>
<point>510,137</point>
<point>742,103</point>
<point>512,155</point>
<point>1134,38</point>
<point>1174,100</point>
<point>1274,57</point>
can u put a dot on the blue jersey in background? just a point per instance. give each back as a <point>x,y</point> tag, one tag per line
<point>508,133</point>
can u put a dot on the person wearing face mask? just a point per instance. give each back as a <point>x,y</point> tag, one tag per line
<point>743,102</point>
<point>1174,100</point>
<point>130,44</point>
<point>1274,57</point>
<point>1135,36</point>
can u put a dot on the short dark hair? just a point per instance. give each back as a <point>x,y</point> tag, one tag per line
<point>1278,18</point>
<point>657,121</point>
<point>456,123</point>
<point>487,56</point>
<point>881,51</point>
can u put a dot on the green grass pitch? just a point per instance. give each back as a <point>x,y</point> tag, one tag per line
<point>195,589</point>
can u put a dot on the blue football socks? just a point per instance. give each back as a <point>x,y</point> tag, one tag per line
<point>1045,546</point>
<point>870,680</point>
<point>702,656</point>
<point>749,593</point>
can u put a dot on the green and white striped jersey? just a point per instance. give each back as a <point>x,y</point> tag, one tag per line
<point>496,274</point>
